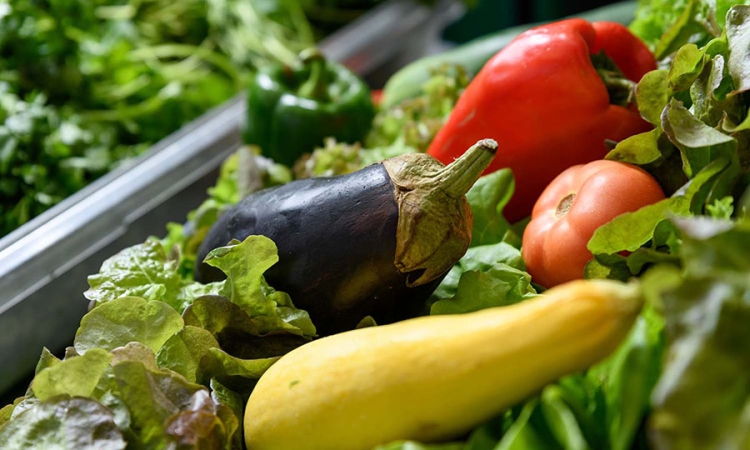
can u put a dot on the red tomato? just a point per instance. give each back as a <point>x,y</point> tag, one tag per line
<point>576,203</point>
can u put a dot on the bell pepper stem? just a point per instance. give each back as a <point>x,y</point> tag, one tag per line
<point>316,86</point>
<point>458,177</point>
<point>620,88</point>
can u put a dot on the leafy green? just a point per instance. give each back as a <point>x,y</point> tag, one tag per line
<point>612,237</point>
<point>415,121</point>
<point>339,158</point>
<point>87,85</point>
<point>697,152</point>
<point>667,25</point>
<point>102,399</point>
<point>243,172</point>
<point>706,311</point>
<point>244,264</point>
<point>75,377</point>
<point>487,197</point>
<point>64,422</point>
<point>164,361</point>
<point>143,270</point>
<point>498,285</point>
<point>404,128</point>
<point>126,319</point>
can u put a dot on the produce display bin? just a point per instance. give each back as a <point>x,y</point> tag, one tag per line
<point>45,263</point>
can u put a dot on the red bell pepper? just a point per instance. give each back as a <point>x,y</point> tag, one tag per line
<point>548,105</point>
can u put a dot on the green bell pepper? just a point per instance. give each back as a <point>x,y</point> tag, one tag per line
<point>291,110</point>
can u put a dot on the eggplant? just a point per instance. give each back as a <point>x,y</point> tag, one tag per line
<point>375,242</point>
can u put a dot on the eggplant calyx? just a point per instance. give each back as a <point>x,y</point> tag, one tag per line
<point>435,219</point>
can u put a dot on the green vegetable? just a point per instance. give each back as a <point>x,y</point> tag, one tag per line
<point>690,251</point>
<point>706,311</point>
<point>406,127</point>
<point>86,85</point>
<point>156,373</point>
<point>492,272</point>
<point>292,109</point>
<point>415,121</point>
<point>338,158</point>
<point>666,25</point>
<point>699,150</point>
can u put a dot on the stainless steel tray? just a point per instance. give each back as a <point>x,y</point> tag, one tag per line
<point>44,264</point>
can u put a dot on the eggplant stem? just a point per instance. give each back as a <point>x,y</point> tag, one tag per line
<point>458,177</point>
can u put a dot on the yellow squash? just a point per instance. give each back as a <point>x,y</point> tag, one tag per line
<point>434,378</point>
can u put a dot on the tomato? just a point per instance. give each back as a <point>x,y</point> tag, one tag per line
<point>576,203</point>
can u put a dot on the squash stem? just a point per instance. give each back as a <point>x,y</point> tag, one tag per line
<point>458,177</point>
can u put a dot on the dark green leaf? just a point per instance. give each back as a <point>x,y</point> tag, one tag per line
<point>231,413</point>
<point>561,420</point>
<point>613,267</point>
<point>632,373</point>
<point>710,103</point>
<point>239,375</point>
<point>693,24</point>
<point>524,435</point>
<point>152,397</point>
<point>411,445</point>
<point>236,332</point>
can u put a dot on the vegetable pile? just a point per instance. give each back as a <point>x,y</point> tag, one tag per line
<point>612,317</point>
<point>87,85</point>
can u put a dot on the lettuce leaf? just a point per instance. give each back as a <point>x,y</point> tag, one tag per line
<point>171,366</point>
<point>699,150</point>
<point>143,270</point>
<point>706,311</point>
<point>666,25</point>
<point>244,264</point>
<point>64,422</point>
<point>487,197</point>
<point>127,319</point>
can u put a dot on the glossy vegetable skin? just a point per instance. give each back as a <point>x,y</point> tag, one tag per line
<point>374,242</point>
<point>433,378</point>
<point>572,207</point>
<point>408,81</point>
<point>291,110</point>
<point>545,99</point>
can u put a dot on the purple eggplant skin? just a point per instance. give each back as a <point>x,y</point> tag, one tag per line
<point>336,238</point>
<point>375,242</point>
